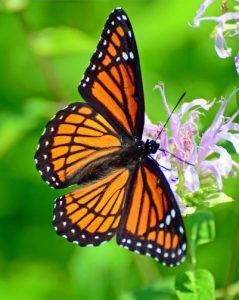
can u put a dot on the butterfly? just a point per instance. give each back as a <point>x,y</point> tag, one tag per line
<point>98,145</point>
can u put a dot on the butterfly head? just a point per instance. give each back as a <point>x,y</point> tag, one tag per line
<point>148,147</point>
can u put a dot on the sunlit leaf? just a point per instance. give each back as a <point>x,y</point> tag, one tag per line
<point>219,198</point>
<point>195,285</point>
<point>61,40</point>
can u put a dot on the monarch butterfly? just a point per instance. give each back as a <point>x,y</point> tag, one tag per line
<point>99,145</point>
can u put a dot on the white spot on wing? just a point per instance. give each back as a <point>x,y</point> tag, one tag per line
<point>173,213</point>
<point>125,55</point>
<point>181,230</point>
<point>184,246</point>
<point>168,219</point>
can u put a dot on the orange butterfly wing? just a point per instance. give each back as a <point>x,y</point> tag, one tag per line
<point>91,214</point>
<point>112,83</point>
<point>75,141</point>
<point>152,224</point>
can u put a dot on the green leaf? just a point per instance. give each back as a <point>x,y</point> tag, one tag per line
<point>218,198</point>
<point>61,40</point>
<point>195,285</point>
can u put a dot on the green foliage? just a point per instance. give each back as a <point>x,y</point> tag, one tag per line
<point>163,290</point>
<point>61,40</point>
<point>195,285</point>
<point>202,230</point>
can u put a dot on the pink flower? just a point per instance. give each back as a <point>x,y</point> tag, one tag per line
<point>187,159</point>
<point>224,27</point>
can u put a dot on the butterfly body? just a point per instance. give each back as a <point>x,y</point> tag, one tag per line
<point>98,145</point>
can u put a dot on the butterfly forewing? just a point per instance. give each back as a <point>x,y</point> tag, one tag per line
<point>112,83</point>
<point>152,223</point>
<point>75,141</point>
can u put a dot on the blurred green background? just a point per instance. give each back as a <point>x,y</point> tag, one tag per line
<point>45,47</point>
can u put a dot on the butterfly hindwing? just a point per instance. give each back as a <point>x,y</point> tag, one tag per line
<point>91,214</point>
<point>74,142</point>
<point>152,224</point>
<point>112,83</point>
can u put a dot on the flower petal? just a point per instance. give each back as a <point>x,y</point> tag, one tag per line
<point>202,103</point>
<point>237,63</point>
<point>208,167</point>
<point>233,138</point>
<point>191,179</point>
<point>202,8</point>
<point>224,163</point>
<point>220,43</point>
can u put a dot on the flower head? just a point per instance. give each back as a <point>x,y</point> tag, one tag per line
<point>189,161</point>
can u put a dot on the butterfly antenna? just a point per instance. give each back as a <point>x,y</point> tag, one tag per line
<point>165,124</point>
<point>169,117</point>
